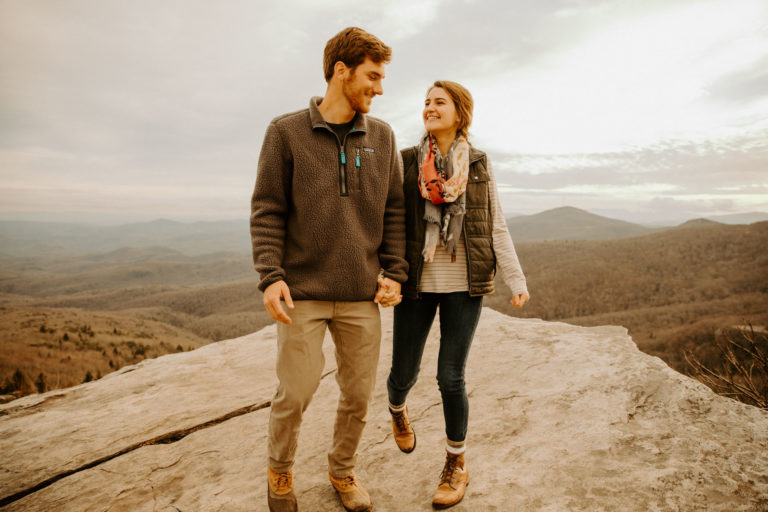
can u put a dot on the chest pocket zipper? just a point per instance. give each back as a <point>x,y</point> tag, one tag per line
<point>358,169</point>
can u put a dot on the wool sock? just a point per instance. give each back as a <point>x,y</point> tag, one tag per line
<point>455,448</point>
<point>396,408</point>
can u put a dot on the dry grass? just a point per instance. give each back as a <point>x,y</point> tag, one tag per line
<point>67,345</point>
<point>739,369</point>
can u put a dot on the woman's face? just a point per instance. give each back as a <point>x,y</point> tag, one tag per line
<point>439,114</point>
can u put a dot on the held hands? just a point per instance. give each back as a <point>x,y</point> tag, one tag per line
<point>388,293</point>
<point>519,300</point>
<point>272,295</point>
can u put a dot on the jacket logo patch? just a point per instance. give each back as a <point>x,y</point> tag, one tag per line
<point>370,150</point>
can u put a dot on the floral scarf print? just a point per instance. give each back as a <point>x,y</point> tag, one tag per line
<point>444,186</point>
<point>442,182</point>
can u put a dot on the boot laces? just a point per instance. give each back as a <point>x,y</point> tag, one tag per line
<point>348,482</point>
<point>451,465</point>
<point>283,481</point>
<point>400,421</point>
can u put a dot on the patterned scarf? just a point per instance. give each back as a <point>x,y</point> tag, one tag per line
<point>442,182</point>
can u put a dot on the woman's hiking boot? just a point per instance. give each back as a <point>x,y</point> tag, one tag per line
<point>405,437</point>
<point>453,482</point>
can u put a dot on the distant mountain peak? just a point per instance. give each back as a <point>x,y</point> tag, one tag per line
<point>564,210</point>
<point>694,223</point>
<point>571,212</point>
<point>571,223</point>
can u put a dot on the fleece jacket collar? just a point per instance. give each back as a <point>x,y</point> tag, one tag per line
<point>316,118</point>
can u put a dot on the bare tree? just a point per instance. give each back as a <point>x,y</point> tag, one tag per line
<point>743,372</point>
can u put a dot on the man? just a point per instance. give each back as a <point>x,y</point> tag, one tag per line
<point>328,233</point>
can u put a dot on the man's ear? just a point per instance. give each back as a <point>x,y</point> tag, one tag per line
<point>340,69</point>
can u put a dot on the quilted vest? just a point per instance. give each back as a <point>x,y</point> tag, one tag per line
<point>478,224</point>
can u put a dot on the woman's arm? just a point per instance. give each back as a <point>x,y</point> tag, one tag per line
<point>506,256</point>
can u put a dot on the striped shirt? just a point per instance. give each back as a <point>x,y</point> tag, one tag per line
<point>443,276</point>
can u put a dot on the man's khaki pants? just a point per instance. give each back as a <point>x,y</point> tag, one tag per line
<point>356,331</point>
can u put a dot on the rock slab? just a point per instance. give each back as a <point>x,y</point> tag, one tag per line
<point>563,418</point>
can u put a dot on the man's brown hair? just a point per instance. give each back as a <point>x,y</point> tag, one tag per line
<point>463,102</point>
<point>351,46</point>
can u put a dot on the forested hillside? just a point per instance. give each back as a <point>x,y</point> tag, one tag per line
<point>73,318</point>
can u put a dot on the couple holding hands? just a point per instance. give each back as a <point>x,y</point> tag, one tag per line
<point>342,222</point>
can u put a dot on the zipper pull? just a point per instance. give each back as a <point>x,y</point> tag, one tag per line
<point>343,158</point>
<point>357,158</point>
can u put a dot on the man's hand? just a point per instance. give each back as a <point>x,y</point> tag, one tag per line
<point>519,300</point>
<point>388,293</point>
<point>272,296</point>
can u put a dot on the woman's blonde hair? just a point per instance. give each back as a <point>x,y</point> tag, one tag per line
<point>463,102</point>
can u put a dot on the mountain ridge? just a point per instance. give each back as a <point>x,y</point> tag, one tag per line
<point>29,238</point>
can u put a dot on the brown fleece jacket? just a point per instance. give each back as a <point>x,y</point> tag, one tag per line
<point>323,223</point>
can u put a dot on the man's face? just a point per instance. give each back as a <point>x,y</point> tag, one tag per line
<point>362,84</point>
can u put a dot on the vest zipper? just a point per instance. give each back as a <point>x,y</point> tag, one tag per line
<point>469,260</point>
<point>420,267</point>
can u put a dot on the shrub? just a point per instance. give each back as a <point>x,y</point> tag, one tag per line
<point>41,383</point>
<point>17,384</point>
<point>742,372</point>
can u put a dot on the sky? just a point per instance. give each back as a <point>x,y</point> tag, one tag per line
<point>652,112</point>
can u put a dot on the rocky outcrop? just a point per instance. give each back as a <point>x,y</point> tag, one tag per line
<point>563,418</point>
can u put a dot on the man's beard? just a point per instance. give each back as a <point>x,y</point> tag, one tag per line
<point>355,95</point>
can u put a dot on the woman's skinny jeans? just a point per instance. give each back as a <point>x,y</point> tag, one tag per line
<point>459,314</point>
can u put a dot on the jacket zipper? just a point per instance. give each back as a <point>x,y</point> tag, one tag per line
<point>343,188</point>
<point>343,172</point>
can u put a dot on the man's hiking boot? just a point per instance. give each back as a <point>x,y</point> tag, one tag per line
<point>453,482</point>
<point>280,495</point>
<point>353,496</point>
<point>405,437</point>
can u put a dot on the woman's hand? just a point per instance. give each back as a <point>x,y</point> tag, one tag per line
<point>388,293</point>
<point>519,300</point>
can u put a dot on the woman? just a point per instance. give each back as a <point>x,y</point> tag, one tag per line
<point>456,236</point>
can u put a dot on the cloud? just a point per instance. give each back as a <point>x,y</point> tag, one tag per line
<point>147,106</point>
<point>635,80</point>
<point>746,85</point>
<point>671,180</point>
